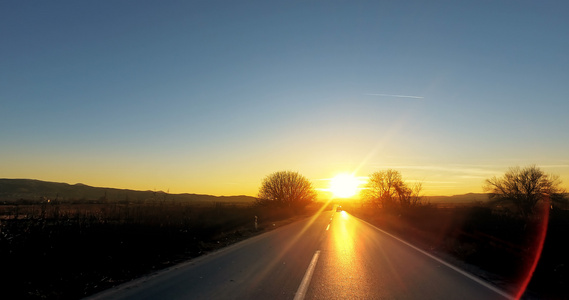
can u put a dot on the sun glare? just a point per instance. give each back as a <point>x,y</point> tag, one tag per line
<point>344,186</point>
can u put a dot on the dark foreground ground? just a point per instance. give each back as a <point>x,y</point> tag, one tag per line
<point>59,251</point>
<point>69,251</point>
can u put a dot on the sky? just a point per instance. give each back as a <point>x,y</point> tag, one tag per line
<point>210,97</point>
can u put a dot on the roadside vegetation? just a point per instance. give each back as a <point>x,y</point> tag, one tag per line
<point>68,250</point>
<point>499,239</point>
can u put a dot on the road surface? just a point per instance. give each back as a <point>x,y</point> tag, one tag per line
<point>332,255</point>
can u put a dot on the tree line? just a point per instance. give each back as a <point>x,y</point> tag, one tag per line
<point>524,188</point>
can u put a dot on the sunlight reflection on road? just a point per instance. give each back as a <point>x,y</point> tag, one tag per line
<point>350,273</point>
<point>346,270</point>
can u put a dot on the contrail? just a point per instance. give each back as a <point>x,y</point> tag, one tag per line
<point>397,96</point>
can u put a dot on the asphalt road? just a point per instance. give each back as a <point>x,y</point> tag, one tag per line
<point>330,256</point>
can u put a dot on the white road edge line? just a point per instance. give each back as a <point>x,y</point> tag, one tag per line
<point>301,292</point>
<point>480,281</point>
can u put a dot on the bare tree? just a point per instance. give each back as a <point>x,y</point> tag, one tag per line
<point>409,196</point>
<point>525,188</point>
<point>386,189</point>
<point>287,188</point>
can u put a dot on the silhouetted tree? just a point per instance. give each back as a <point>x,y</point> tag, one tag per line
<point>287,189</point>
<point>524,188</point>
<point>386,189</point>
<point>409,196</point>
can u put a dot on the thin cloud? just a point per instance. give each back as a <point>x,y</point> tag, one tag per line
<point>431,181</point>
<point>553,166</point>
<point>461,170</point>
<point>396,96</point>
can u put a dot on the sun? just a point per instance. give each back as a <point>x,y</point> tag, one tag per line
<point>344,186</point>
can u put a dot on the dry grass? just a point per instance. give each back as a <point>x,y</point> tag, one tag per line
<point>67,251</point>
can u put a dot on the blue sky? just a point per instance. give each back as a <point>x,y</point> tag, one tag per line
<point>211,96</point>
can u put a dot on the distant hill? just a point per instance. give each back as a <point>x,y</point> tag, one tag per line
<point>32,190</point>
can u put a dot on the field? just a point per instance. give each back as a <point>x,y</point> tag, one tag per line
<point>59,250</point>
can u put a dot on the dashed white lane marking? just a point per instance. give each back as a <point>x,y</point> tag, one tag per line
<point>301,292</point>
<point>328,227</point>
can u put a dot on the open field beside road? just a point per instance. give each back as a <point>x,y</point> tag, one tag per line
<point>68,251</point>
